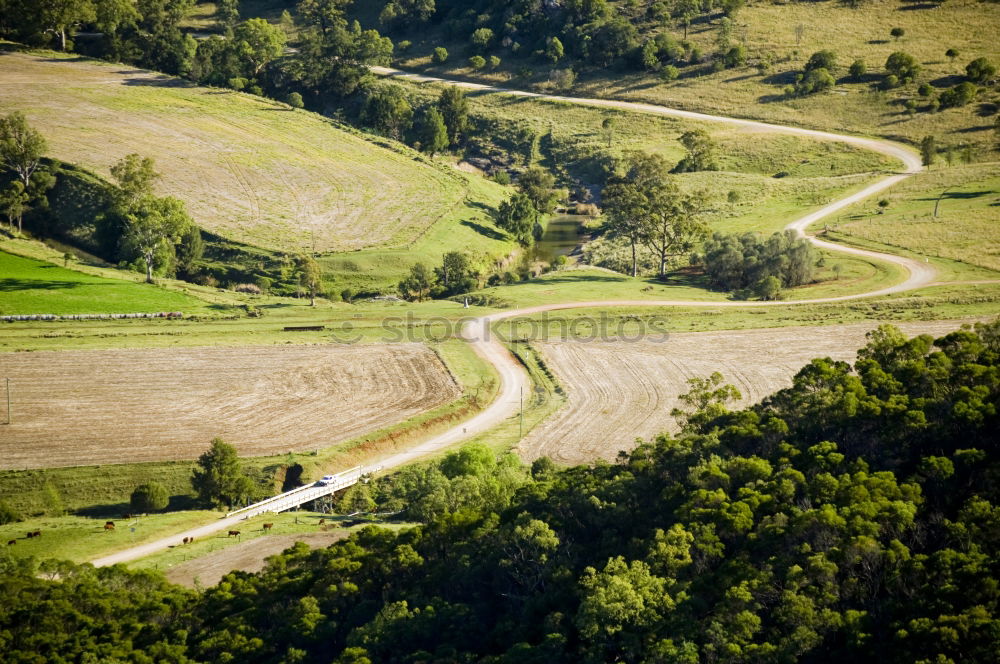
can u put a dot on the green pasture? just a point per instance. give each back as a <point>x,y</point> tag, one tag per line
<point>30,286</point>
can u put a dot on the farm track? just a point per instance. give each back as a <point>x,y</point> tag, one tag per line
<point>514,379</point>
<point>99,407</point>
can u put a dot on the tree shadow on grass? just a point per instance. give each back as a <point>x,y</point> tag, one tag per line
<point>960,195</point>
<point>947,81</point>
<point>10,284</point>
<point>158,82</point>
<point>484,230</point>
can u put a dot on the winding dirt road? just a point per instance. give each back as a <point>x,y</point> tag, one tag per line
<point>514,379</point>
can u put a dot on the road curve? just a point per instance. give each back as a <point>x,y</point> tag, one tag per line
<point>514,379</point>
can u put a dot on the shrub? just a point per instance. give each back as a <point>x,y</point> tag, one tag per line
<point>735,57</point>
<point>294,100</point>
<point>813,81</point>
<point>822,60</point>
<point>404,45</point>
<point>736,262</point>
<point>669,73</point>
<point>980,70</point>
<point>440,55</point>
<point>151,497</point>
<point>494,62</point>
<point>858,69</point>
<point>960,95</point>
<point>263,283</point>
<point>925,90</point>
<point>903,66</point>
<point>8,514</point>
<point>477,62</point>
<point>481,38</point>
<point>768,288</point>
<point>253,289</point>
<point>896,33</point>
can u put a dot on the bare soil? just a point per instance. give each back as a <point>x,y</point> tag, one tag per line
<point>247,556</point>
<point>619,392</point>
<point>121,406</point>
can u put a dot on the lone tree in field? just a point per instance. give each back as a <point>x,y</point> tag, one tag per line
<point>433,132</point>
<point>417,285</point>
<point>219,478</point>
<point>701,152</point>
<point>151,497</point>
<point>310,276</point>
<point>154,226</point>
<point>258,42</point>
<point>454,109</point>
<point>928,150</point>
<point>645,206</point>
<point>21,147</point>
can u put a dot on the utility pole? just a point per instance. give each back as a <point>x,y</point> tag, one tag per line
<point>8,402</point>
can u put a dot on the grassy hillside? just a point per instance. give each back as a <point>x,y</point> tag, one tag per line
<point>783,35</point>
<point>248,168</point>
<point>29,286</point>
<point>967,201</point>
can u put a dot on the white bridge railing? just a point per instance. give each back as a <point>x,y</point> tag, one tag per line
<point>303,494</point>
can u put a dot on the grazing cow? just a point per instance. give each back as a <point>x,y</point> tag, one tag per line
<point>322,521</point>
<point>11,542</point>
<point>34,533</point>
<point>185,540</point>
<point>234,533</point>
<point>110,525</point>
<point>268,526</point>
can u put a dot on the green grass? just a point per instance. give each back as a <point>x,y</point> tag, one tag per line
<point>582,284</point>
<point>81,539</point>
<point>964,230</point>
<point>287,523</point>
<point>30,286</point>
<point>946,302</point>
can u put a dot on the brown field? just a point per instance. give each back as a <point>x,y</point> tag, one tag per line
<point>121,406</point>
<point>618,392</point>
<point>247,556</point>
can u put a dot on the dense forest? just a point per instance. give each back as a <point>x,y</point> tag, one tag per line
<point>851,517</point>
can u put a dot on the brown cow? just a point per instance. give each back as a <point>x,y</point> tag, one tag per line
<point>11,542</point>
<point>110,525</point>
<point>234,533</point>
<point>322,521</point>
<point>268,526</point>
<point>185,540</point>
<point>34,533</point>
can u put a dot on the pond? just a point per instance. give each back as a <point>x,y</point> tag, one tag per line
<point>563,234</point>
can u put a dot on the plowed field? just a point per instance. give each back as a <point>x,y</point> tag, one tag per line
<point>122,406</point>
<point>621,391</point>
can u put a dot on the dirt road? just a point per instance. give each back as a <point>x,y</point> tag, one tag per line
<point>513,377</point>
